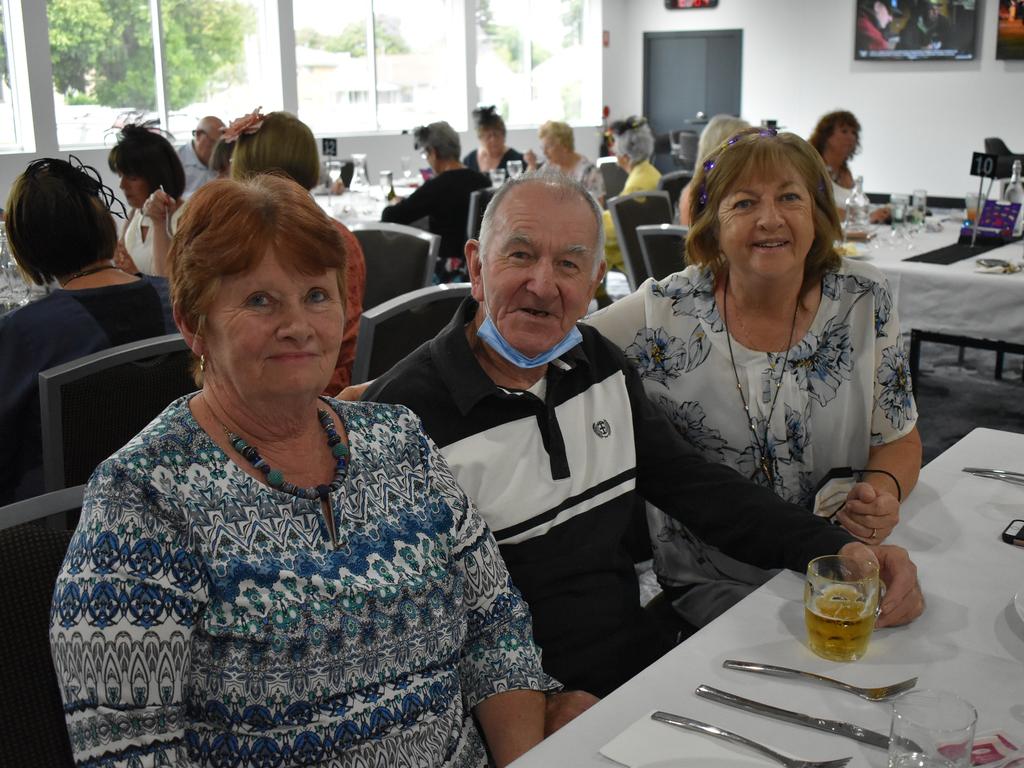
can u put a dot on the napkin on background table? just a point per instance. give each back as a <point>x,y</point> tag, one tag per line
<point>648,743</point>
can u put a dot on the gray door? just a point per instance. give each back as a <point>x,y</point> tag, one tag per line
<point>688,78</point>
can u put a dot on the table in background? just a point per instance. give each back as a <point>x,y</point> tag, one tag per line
<point>969,640</point>
<point>951,298</point>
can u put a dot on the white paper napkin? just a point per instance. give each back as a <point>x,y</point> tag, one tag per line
<point>648,743</point>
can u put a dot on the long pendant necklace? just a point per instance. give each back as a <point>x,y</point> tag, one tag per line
<point>275,478</point>
<point>765,466</point>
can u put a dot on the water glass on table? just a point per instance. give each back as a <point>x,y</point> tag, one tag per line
<point>931,729</point>
<point>515,168</point>
<point>973,201</point>
<point>841,597</point>
<point>497,177</point>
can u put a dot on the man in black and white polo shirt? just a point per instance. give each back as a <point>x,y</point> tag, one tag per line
<point>547,428</point>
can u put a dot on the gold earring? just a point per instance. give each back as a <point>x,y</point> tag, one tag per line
<point>202,363</point>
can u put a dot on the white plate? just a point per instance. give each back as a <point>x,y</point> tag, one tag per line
<point>704,762</point>
<point>1018,603</point>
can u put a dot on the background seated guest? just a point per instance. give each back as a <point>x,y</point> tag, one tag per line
<point>632,145</point>
<point>59,227</point>
<point>559,148</point>
<point>718,129</point>
<point>281,143</point>
<point>220,158</point>
<point>837,139</point>
<point>548,429</point>
<point>773,356</point>
<point>195,154</point>
<point>492,154</point>
<point>348,606</point>
<point>443,199</point>
<point>147,163</point>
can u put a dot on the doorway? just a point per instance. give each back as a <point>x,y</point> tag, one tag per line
<point>688,78</point>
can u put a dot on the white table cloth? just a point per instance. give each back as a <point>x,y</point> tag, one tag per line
<point>970,639</point>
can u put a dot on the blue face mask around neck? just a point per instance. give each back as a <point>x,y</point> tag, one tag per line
<point>488,331</point>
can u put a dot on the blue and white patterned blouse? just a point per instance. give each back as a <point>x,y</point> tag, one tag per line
<point>845,387</point>
<point>203,618</point>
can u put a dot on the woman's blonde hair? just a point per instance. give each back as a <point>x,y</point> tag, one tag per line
<point>560,132</point>
<point>283,143</point>
<point>761,153</point>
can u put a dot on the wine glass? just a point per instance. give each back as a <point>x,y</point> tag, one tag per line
<point>515,169</point>
<point>333,174</point>
<point>406,169</point>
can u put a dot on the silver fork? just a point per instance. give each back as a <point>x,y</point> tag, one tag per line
<point>879,693</point>
<point>720,733</point>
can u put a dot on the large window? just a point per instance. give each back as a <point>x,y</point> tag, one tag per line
<point>105,64</point>
<point>367,65</point>
<point>10,129</point>
<point>532,61</point>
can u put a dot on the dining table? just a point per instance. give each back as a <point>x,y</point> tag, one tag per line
<point>969,640</point>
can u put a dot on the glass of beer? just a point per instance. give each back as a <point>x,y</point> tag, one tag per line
<point>840,604</point>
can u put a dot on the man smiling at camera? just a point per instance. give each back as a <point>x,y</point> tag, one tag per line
<point>547,428</point>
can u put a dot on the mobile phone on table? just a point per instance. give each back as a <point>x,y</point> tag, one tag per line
<point>1014,533</point>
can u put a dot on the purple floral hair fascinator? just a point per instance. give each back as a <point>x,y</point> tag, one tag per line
<point>246,124</point>
<point>709,164</point>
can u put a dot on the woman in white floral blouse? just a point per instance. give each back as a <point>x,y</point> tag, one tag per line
<point>266,577</point>
<point>775,356</point>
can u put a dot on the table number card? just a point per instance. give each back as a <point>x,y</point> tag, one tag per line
<point>329,147</point>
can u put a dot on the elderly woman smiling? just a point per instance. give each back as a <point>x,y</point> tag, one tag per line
<point>774,356</point>
<point>266,577</point>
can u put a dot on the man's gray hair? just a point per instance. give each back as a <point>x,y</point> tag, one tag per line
<point>439,137</point>
<point>565,187</point>
<point>636,143</point>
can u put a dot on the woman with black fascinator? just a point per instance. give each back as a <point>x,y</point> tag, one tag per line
<point>60,230</point>
<point>444,199</point>
<point>492,154</point>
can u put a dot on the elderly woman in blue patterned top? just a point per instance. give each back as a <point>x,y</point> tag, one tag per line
<point>266,577</point>
<point>773,355</point>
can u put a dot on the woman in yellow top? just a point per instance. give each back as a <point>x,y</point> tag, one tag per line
<point>633,145</point>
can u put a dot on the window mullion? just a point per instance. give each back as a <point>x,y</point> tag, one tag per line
<point>158,64</point>
<point>371,52</point>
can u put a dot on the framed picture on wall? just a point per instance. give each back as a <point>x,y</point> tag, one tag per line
<point>915,30</point>
<point>1010,30</point>
<point>682,5</point>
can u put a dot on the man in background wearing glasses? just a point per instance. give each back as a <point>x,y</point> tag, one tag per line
<point>195,155</point>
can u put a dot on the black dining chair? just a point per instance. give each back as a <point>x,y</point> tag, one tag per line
<point>663,247</point>
<point>390,331</point>
<point>629,212</point>
<point>92,406</point>
<point>398,259</point>
<point>478,202</point>
<point>33,542</point>
<point>1004,157</point>
<point>674,183</point>
<point>613,176</point>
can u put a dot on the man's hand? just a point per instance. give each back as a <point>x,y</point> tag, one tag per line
<point>903,601</point>
<point>565,706</point>
<point>869,514</point>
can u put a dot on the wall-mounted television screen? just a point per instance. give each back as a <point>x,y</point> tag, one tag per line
<point>915,30</point>
<point>679,5</point>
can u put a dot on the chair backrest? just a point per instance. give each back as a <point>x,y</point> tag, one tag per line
<point>348,169</point>
<point>92,406</point>
<point>663,247</point>
<point>399,259</point>
<point>392,330</point>
<point>58,509</point>
<point>674,183</point>
<point>629,212</point>
<point>34,734</point>
<point>478,201</point>
<point>1004,161</point>
<point>613,175</point>
<point>684,149</point>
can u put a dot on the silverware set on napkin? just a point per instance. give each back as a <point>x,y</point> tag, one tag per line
<point>1007,476</point>
<point>840,728</point>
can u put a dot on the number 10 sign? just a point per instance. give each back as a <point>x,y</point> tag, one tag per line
<point>983,165</point>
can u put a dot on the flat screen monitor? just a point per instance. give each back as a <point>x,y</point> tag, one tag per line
<point>915,30</point>
<point>1010,31</point>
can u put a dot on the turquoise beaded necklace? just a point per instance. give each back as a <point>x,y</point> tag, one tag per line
<point>275,478</point>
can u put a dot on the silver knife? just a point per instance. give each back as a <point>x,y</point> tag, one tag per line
<point>874,738</point>
<point>1015,478</point>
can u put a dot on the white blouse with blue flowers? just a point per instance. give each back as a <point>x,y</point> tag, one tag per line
<point>845,388</point>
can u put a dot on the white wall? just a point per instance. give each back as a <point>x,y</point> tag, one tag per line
<point>920,120</point>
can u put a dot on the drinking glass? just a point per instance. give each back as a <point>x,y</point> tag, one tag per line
<point>973,201</point>
<point>515,169</point>
<point>931,729</point>
<point>840,605</point>
<point>360,181</point>
<point>333,174</point>
<point>919,208</point>
<point>406,169</point>
<point>497,177</point>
